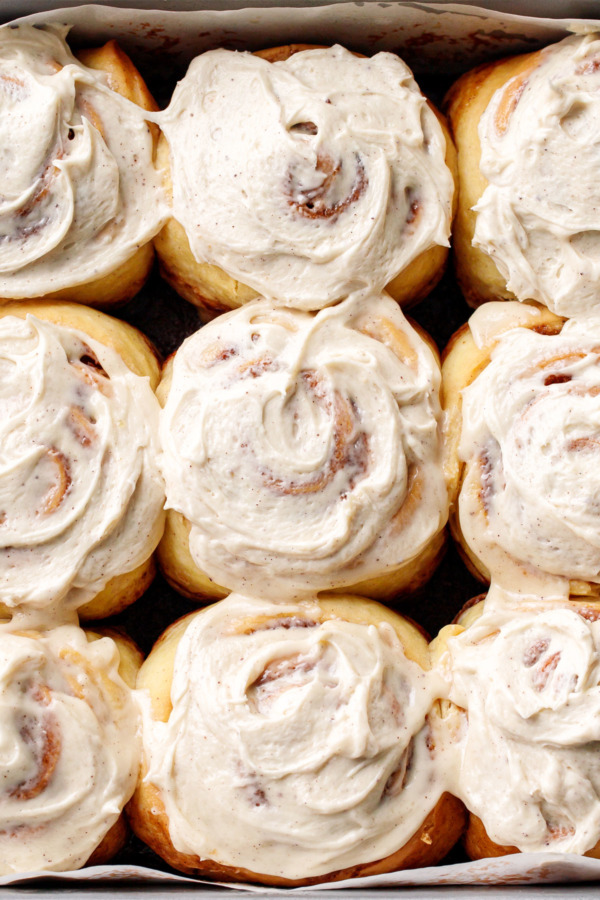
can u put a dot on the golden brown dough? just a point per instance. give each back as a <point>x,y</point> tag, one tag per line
<point>464,104</point>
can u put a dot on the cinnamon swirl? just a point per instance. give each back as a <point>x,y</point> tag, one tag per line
<point>527,131</point>
<point>70,750</point>
<point>80,494</point>
<point>303,179</point>
<point>529,769</point>
<point>293,743</point>
<point>523,444</point>
<point>80,199</point>
<point>303,451</point>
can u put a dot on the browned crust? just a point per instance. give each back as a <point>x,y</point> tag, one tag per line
<point>285,51</point>
<point>120,592</point>
<point>459,617</point>
<point>437,834</point>
<point>123,76</point>
<point>465,102</point>
<point>479,845</point>
<point>113,841</point>
<point>439,831</point>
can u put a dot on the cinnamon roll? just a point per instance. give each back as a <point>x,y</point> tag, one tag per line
<point>527,132</point>
<point>303,179</point>
<point>70,749</point>
<point>529,770</point>
<point>303,451</point>
<point>80,493</point>
<point>293,743</point>
<point>522,447</point>
<point>80,199</point>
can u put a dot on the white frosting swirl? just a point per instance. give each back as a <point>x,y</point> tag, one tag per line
<point>539,218</point>
<point>530,769</point>
<point>311,734</point>
<point>305,448</point>
<point>69,747</point>
<point>80,494</point>
<point>531,435</point>
<point>78,191</point>
<point>310,178</point>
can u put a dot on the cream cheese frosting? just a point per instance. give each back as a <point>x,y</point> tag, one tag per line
<point>539,216</point>
<point>530,435</point>
<point>311,734</point>
<point>310,178</point>
<point>69,747</point>
<point>305,449</point>
<point>80,493</point>
<point>78,190</point>
<point>530,767</point>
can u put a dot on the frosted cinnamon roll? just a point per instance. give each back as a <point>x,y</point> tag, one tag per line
<point>522,395</point>
<point>80,199</point>
<point>529,769</point>
<point>303,451</point>
<point>303,179</point>
<point>527,131</point>
<point>70,750</point>
<point>80,493</point>
<point>293,743</point>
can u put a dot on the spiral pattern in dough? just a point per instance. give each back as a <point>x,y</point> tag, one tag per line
<point>530,768</point>
<point>69,747</point>
<point>310,178</point>
<point>539,217</point>
<point>78,191</point>
<point>305,449</point>
<point>80,493</point>
<point>531,438</point>
<point>309,730</point>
